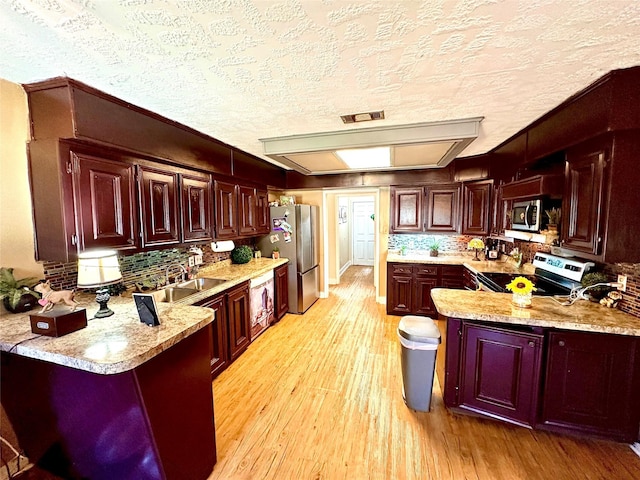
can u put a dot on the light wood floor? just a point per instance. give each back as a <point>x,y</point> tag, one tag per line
<point>319,396</point>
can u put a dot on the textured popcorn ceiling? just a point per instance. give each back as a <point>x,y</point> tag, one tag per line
<point>240,70</point>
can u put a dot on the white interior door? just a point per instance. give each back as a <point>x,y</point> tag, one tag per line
<point>363,233</point>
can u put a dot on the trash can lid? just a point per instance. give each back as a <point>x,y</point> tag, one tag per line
<point>419,329</point>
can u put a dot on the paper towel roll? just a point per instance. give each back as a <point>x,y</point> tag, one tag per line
<point>222,246</point>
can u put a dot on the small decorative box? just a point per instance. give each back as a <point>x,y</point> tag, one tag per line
<point>57,323</point>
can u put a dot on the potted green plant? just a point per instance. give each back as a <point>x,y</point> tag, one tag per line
<point>275,254</point>
<point>434,247</point>
<point>17,295</point>
<point>554,218</point>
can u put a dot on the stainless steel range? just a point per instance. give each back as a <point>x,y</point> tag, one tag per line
<point>553,275</point>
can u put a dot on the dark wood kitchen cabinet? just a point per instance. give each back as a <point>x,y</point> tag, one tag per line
<point>407,209</point>
<point>263,213</point>
<point>500,372</point>
<point>544,378</point>
<point>409,286</point>
<point>220,344</point>
<point>431,208</point>
<point>196,207</point>
<point>442,212</point>
<point>241,211</point>
<point>159,199</point>
<point>476,207</point>
<point>239,320</point>
<point>281,275</point>
<point>591,384</point>
<point>601,198</point>
<point>226,206</point>
<point>584,197</point>
<point>104,200</point>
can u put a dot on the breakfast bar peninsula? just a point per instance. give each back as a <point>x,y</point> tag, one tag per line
<point>117,399</point>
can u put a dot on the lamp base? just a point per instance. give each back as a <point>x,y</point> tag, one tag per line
<point>102,297</point>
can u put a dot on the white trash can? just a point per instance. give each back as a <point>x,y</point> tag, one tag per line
<point>419,340</point>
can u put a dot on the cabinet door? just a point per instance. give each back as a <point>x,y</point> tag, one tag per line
<point>158,206</point>
<point>226,210</point>
<point>219,353</point>
<point>583,200</point>
<point>105,203</point>
<point>476,207</point>
<point>196,208</point>
<point>407,209</point>
<point>262,212</point>
<point>443,209</point>
<point>500,372</point>
<point>239,320</point>
<point>247,211</point>
<point>422,302</point>
<point>282,290</point>
<point>590,384</point>
<point>399,288</point>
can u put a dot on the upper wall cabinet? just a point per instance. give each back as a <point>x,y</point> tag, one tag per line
<point>226,207</point>
<point>159,206</point>
<point>476,207</point>
<point>601,198</point>
<point>432,208</point>
<point>241,211</point>
<point>197,207</point>
<point>103,195</point>
<point>82,198</point>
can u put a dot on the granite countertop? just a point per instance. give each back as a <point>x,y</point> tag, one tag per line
<point>545,312</point>
<point>504,265</point>
<point>121,342</point>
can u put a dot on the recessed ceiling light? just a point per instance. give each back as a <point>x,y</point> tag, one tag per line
<point>359,158</point>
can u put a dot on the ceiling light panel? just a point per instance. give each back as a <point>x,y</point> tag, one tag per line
<point>366,158</point>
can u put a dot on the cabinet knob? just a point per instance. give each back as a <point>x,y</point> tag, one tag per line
<point>532,343</point>
<point>561,343</point>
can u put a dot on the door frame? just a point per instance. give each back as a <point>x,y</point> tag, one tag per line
<point>330,215</point>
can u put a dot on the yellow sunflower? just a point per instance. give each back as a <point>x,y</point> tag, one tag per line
<point>521,285</point>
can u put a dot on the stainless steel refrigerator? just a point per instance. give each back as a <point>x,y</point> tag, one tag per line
<point>293,231</point>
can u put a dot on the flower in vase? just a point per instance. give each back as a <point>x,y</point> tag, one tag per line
<point>521,286</point>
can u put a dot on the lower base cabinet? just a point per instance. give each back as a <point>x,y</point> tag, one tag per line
<point>409,286</point>
<point>543,378</point>
<point>590,386</point>
<point>500,372</point>
<point>230,328</point>
<point>281,275</point>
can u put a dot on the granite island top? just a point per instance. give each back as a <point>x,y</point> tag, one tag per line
<point>121,342</point>
<point>545,312</point>
<point>504,265</point>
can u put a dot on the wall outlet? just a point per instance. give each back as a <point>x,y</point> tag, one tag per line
<point>198,259</point>
<point>622,280</point>
<point>192,261</point>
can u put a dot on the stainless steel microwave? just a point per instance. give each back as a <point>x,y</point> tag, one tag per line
<point>527,216</point>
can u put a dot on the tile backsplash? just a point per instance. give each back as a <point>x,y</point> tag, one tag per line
<point>138,266</point>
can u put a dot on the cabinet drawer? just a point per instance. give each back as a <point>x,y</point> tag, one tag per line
<point>401,269</point>
<point>430,270</point>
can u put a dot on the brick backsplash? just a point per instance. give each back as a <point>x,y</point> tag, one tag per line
<point>136,267</point>
<point>630,302</point>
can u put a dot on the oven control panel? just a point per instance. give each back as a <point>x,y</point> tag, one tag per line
<point>572,268</point>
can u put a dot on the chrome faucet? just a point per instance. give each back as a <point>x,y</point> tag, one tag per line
<point>183,272</point>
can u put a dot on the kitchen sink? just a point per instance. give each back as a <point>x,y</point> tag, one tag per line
<point>202,283</point>
<point>172,294</point>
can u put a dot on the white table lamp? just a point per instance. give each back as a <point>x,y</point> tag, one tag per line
<point>99,268</point>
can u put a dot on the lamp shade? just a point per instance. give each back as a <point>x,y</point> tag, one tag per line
<point>98,268</point>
